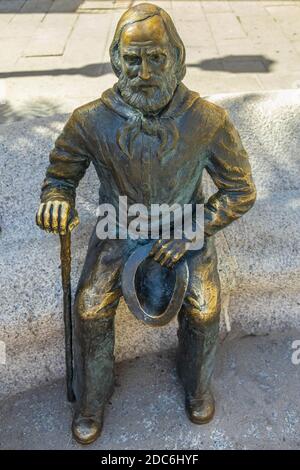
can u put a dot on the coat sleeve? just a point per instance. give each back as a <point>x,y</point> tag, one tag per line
<point>69,161</point>
<point>229,167</point>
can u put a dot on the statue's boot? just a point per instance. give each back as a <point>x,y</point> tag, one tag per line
<point>87,425</point>
<point>198,335</point>
<point>201,410</point>
<point>86,429</point>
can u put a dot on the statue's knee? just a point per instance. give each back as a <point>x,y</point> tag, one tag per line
<point>202,315</point>
<point>203,318</point>
<point>89,306</point>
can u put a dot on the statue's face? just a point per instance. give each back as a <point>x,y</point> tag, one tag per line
<point>147,80</point>
<point>145,52</point>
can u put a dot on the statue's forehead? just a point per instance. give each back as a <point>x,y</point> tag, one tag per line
<point>149,31</point>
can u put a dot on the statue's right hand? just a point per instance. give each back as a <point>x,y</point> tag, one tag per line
<point>57,217</point>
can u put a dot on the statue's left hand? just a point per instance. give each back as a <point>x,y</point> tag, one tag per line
<point>169,252</point>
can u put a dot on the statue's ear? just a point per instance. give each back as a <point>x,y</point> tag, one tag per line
<point>115,58</point>
<point>181,67</point>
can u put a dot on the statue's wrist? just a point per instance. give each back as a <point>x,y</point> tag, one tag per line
<point>58,197</point>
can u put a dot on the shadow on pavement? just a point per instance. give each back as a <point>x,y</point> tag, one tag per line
<point>90,70</point>
<point>62,6</point>
<point>231,63</point>
<point>237,64</point>
<point>30,109</point>
<point>22,6</point>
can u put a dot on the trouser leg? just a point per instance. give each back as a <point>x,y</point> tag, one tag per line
<point>196,350</point>
<point>96,301</point>
<point>199,323</point>
<point>93,361</point>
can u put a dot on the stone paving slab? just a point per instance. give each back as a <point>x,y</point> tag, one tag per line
<point>288,18</point>
<point>51,37</point>
<point>255,383</point>
<point>225,26</point>
<point>82,45</point>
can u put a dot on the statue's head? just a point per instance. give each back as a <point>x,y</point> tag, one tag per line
<point>148,57</point>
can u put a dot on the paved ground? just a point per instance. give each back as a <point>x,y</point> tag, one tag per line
<point>258,405</point>
<point>54,53</point>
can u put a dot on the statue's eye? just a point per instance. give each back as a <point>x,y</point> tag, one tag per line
<point>157,58</point>
<point>132,59</point>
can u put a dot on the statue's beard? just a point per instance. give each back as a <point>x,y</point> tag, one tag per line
<point>146,104</point>
<point>147,99</point>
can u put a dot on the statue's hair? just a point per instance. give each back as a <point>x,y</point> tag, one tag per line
<point>140,13</point>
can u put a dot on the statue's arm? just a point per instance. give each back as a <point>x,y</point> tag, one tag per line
<point>69,161</point>
<point>229,167</point>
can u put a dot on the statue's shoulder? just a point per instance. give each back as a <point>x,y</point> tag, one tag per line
<point>89,112</point>
<point>208,113</point>
<point>93,118</point>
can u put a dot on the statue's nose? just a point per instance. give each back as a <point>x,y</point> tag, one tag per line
<point>144,72</point>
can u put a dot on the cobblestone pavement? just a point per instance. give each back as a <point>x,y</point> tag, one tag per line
<point>54,53</point>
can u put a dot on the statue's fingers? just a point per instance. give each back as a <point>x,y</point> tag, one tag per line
<point>54,216</point>
<point>169,264</point>
<point>63,218</point>
<point>157,246</point>
<point>167,256</point>
<point>174,258</point>
<point>74,222</point>
<point>39,215</point>
<point>47,216</point>
<point>159,253</point>
<point>177,256</point>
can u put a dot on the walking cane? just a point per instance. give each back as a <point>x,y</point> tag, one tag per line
<point>65,258</point>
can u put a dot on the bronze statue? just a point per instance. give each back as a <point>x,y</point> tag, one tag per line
<point>149,138</point>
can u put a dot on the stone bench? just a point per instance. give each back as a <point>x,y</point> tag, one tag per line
<point>259,254</point>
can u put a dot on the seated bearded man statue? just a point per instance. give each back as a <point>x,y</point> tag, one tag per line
<point>149,139</point>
